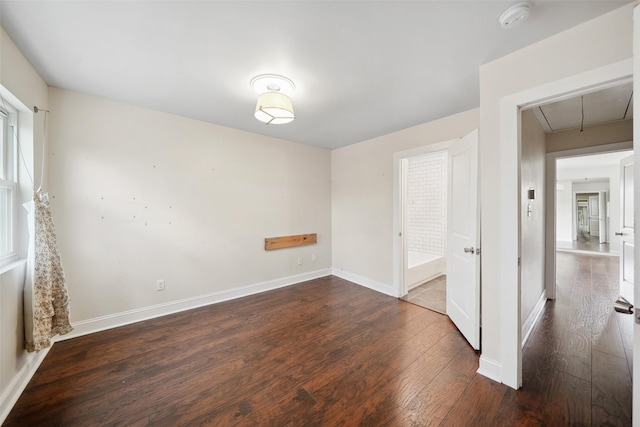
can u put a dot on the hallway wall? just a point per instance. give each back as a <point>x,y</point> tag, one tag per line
<point>590,136</point>
<point>532,214</point>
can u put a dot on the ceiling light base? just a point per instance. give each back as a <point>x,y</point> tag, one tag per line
<point>272,83</point>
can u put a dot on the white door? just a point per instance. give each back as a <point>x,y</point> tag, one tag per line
<point>594,217</point>
<point>627,229</point>
<point>463,233</point>
<point>602,216</point>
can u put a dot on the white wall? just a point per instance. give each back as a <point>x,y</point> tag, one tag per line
<point>362,197</point>
<point>603,41</point>
<point>138,195</point>
<point>564,211</point>
<point>23,88</point>
<point>590,136</point>
<point>532,226</point>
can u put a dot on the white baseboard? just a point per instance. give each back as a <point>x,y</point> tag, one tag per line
<point>490,369</point>
<point>98,324</point>
<point>19,382</point>
<point>367,283</point>
<point>531,320</point>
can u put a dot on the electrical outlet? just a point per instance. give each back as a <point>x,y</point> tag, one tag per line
<point>313,258</point>
<point>160,285</point>
<point>299,260</point>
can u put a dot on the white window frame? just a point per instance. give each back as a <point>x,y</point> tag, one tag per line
<point>9,179</point>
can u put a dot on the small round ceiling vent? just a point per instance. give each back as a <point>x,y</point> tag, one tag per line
<point>515,15</point>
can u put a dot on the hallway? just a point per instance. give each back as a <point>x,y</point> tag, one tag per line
<point>577,363</point>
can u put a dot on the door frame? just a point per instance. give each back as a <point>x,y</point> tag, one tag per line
<point>550,214</point>
<point>398,207</point>
<point>510,107</point>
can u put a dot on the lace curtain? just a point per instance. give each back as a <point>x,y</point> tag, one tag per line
<point>46,299</point>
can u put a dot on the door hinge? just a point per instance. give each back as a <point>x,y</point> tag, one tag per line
<point>518,261</point>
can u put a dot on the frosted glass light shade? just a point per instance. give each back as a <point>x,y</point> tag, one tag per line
<point>274,108</point>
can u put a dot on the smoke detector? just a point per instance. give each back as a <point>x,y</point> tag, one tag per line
<point>514,15</point>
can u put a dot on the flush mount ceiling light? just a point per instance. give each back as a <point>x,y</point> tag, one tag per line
<point>274,105</point>
<point>515,15</point>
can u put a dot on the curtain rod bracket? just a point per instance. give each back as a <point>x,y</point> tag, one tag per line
<point>37,110</point>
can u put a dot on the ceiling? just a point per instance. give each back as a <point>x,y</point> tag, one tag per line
<point>361,68</point>
<point>600,107</point>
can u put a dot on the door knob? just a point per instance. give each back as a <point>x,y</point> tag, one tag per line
<point>623,306</point>
<point>469,250</point>
<point>619,233</point>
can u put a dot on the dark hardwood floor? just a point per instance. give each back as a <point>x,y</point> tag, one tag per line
<point>328,352</point>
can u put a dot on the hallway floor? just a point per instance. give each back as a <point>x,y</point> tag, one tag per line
<point>577,362</point>
<point>585,243</point>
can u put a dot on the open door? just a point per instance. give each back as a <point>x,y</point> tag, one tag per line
<point>463,262</point>
<point>627,247</point>
<point>602,215</point>
<point>594,216</point>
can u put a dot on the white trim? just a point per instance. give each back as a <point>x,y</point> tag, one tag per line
<point>19,383</point>
<point>510,105</point>
<point>12,265</point>
<point>367,283</point>
<point>530,322</point>
<point>102,323</point>
<point>490,369</point>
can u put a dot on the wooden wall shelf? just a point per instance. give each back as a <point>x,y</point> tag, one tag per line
<point>271,243</point>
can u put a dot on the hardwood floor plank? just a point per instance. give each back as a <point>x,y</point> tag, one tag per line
<point>477,405</point>
<point>514,407</point>
<point>569,401</point>
<point>431,404</point>
<point>611,390</point>
<point>539,361</point>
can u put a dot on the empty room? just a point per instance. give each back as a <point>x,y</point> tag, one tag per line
<point>206,216</point>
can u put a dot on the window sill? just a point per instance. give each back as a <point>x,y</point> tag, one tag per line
<point>12,265</point>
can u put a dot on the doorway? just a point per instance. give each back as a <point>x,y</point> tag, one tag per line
<point>587,202</point>
<point>425,218</point>
<point>509,369</point>
<point>584,215</point>
<point>462,263</point>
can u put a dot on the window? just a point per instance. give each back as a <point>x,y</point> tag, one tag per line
<point>8,181</point>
